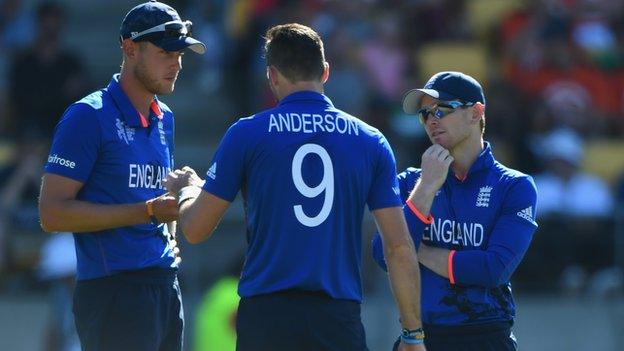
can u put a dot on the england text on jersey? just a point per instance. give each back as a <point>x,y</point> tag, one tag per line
<point>147,176</point>
<point>454,232</point>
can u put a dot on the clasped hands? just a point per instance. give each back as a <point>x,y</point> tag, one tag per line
<point>181,178</point>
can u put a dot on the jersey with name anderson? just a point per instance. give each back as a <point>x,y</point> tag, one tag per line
<point>102,142</point>
<point>306,171</point>
<point>488,218</point>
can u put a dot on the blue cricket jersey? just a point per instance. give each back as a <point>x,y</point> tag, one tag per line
<point>306,170</point>
<point>488,219</point>
<point>120,157</point>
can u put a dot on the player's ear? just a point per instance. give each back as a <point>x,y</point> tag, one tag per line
<point>480,108</point>
<point>325,75</point>
<point>273,75</point>
<point>479,111</point>
<point>129,48</point>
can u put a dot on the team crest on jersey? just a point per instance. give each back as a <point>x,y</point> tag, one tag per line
<point>124,132</point>
<point>483,198</point>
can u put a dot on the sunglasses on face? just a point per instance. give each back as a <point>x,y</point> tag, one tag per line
<point>441,109</point>
<point>172,29</point>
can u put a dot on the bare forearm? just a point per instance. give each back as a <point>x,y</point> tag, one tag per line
<point>187,222</point>
<point>434,258</point>
<point>81,216</point>
<point>422,197</point>
<point>200,215</point>
<point>402,264</point>
<point>405,283</point>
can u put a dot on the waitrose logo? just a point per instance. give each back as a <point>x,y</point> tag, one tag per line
<point>61,161</point>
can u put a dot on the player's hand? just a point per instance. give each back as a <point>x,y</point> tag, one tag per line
<point>180,178</point>
<point>435,164</point>
<point>176,251</point>
<point>407,347</point>
<point>165,208</point>
<point>172,240</point>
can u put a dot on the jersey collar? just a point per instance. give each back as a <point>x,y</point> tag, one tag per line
<point>301,96</point>
<point>485,160</point>
<point>130,114</point>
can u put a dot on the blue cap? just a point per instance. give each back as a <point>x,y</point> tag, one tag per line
<point>173,35</point>
<point>445,86</point>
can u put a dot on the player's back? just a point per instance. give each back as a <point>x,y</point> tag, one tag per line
<point>309,171</point>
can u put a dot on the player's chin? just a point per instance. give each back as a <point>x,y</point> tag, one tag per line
<point>439,139</point>
<point>167,87</point>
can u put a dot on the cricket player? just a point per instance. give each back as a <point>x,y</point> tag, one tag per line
<point>473,218</point>
<point>306,171</point>
<point>103,181</point>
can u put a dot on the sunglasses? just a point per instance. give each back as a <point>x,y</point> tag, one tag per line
<point>172,29</point>
<point>441,110</point>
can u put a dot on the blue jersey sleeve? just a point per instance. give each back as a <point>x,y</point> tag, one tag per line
<point>225,175</point>
<point>508,243</point>
<point>407,179</point>
<point>416,227</point>
<point>76,143</point>
<point>384,190</point>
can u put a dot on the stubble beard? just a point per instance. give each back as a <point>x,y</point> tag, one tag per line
<point>149,83</point>
<point>458,142</point>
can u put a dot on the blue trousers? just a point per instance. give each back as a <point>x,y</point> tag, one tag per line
<point>299,320</point>
<point>486,337</point>
<point>136,310</point>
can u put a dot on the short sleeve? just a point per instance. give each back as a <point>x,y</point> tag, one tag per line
<point>225,174</point>
<point>76,143</point>
<point>384,191</point>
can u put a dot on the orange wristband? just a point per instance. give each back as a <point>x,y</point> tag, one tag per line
<point>450,267</point>
<point>415,211</point>
<point>150,211</point>
<point>150,208</point>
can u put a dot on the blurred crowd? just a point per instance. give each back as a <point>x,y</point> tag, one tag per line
<point>552,70</point>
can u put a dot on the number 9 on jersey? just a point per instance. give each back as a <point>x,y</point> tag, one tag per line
<point>326,185</point>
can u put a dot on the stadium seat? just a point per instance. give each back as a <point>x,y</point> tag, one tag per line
<point>483,14</point>
<point>605,158</point>
<point>470,58</point>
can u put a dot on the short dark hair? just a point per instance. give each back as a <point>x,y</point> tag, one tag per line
<point>296,51</point>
